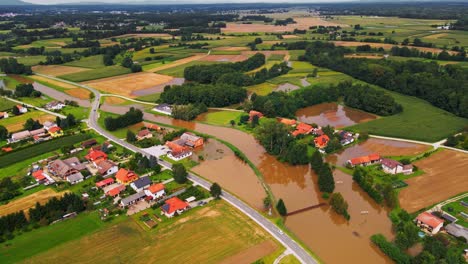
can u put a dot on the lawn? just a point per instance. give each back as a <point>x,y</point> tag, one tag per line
<point>96,74</point>
<point>10,83</point>
<point>93,62</point>
<point>31,60</point>
<point>199,233</point>
<point>49,237</point>
<point>79,112</point>
<point>455,209</point>
<point>15,123</point>
<point>219,118</point>
<point>178,71</point>
<point>6,105</point>
<point>262,89</point>
<point>149,98</point>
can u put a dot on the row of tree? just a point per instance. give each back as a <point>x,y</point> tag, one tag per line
<point>26,90</point>
<point>131,117</point>
<point>188,112</point>
<point>413,52</point>
<point>12,66</point>
<point>445,87</point>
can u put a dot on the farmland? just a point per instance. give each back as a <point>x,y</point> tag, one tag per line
<point>207,228</point>
<point>6,105</point>
<point>15,123</point>
<point>96,74</point>
<point>24,203</point>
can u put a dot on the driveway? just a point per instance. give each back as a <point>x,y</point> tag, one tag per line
<point>157,151</point>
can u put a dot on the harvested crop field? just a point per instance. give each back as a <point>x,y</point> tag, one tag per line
<point>178,62</point>
<point>53,82</point>
<point>302,23</point>
<point>145,35</point>
<point>436,36</point>
<point>126,84</point>
<point>445,176</point>
<point>231,48</point>
<point>207,235</point>
<point>290,36</point>
<point>29,201</point>
<point>225,58</point>
<point>15,123</point>
<point>376,57</point>
<point>79,93</point>
<point>56,70</point>
<point>114,100</point>
<point>268,53</point>
<point>20,79</point>
<point>388,46</point>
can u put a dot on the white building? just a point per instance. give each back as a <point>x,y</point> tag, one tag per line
<point>156,191</point>
<point>55,105</point>
<point>394,167</point>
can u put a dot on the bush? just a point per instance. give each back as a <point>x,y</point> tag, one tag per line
<point>390,249</point>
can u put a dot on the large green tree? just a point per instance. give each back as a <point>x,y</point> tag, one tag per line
<point>281,207</point>
<point>215,190</point>
<point>180,173</point>
<point>339,205</point>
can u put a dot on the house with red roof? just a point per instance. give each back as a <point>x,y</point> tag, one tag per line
<point>55,132</point>
<point>302,129</point>
<point>106,167</point>
<point>22,109</point>
<point>429,223</point>
<point>142,134</point>
<point>321,141</point>
<point>126,177</point>
<point>394,167</point>
<point>253,113</point>
<point>3,115</point>
<point>174,205</point>
<point>96,156</point>
<point>104,183</point>
<point>115,191</point>
<point>364,160</point>
<point>156,191</point>
<point>39,176</point>
<point>152,126</point>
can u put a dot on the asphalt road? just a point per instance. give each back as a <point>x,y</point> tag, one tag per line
<point>302,255</point>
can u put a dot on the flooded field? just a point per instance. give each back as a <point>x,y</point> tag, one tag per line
<point>333,114</point>
<point>323,231</point>
<point>383,147</point>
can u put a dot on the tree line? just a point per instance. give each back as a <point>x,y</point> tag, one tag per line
<point>445,87</point>
<point>12,66</point>
<point>444,55</point>
<point>131,117</point>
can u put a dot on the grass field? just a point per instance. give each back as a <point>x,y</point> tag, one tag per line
<point>262,89</point>
<point>207,228</point>
<point>92,62</point>
<point>149,98</point>
<point>9,82</point>
<point>178,71</point>
<point>15,123</point>
<point>55,70</point>
<point>24,203</point>
<point>41,148</point>
<point>31,60</point>
<point>219,118</point>
<point>289,259</point>
<point>455,209</point>
<point>96,74</point>
<point>6,105</point>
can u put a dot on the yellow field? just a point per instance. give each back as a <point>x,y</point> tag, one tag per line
<point>15,123</point>
<point>29,201</point>
<point>56,70</point>
<point>209,235</point>
<point>80,93</point>
<point>126,84</point>
<point>53,82</point>
<point>178,62</point>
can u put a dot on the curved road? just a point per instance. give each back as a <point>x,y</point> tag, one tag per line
<point>302,255</point>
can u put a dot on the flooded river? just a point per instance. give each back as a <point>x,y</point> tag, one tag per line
<point>333,114</point>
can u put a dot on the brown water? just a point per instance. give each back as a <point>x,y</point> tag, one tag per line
<point>332,238</point>
<point>333,114</point>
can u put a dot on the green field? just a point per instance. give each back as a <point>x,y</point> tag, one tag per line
<point>93,62</point>
<point>149,98</point>
<point>96,74</point>
<point>455,209</point>
<point>6,105</point>
<point>41,148</point>
<point>262,89</point>
<point>178,71</point>
<point>220,118</point>
<point>9,82</point>
<point>31,60</point>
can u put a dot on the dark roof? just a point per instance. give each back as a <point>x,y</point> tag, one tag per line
<point>142,182</point>
<point>449,218</point>
<point>131,198</point>
<point>457,230</point>
<point>89,143</point>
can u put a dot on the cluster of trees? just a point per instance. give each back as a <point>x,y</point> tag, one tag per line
<point>284,22</point>
<point>460,140</point>
<point>461,24</point>
<point>215,190</point>
<point>339,205</point>
<point>26,90</point>
<point>40,215</point>
<point>274,136</point>
<point>256,18</point>
<point>32,124</point>
<point>67,122</point>
<point>3,133</point>
<point>83,44</point>
<point>12,66</point>
<point>127,62</point>
<point>131,117</point>
<point>377,192</point>
<point>445,87</point>
<point>188,112</point>
<point>413,52</point>
<point>211,73</point>
<point>143,164</point>
<point>8,189</point>
<point>281,207</point>
<point>326,182</point>
<point>211,95</point>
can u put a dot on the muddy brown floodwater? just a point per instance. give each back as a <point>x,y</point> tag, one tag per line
<point>333,114</point>
<point>328,235</point>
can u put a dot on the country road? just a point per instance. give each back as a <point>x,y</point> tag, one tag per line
<point>302,255</point>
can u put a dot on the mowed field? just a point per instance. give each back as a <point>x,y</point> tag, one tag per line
<point>217,232</point>
<point>23,204</point>
<point>388,46</point>
<point>15,123</point>
<point>177,63</point>
<point>302,23</point>
<point>225,58</point>
<point>445,176</point>
<point>126,84</point>
<point>56,70</point>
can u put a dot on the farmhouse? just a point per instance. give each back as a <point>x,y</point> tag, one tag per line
<point>321,141</point>
<point>55,132</point>
<point>23,135</point>
<point>68,169</point>
<point>364,160</point>
<point>174,205</point>
<point>181,148</point>
<point>141,184</point>
<point>3,115</point>
<point>55,105</point>
<point>163,108</point>
<point>39,176</point>
<point>106,168</point>
<point>156,191</point>
<point>48,125</point>
<point>75,178</point>
<point>192,140</point>
<point>393,167</point>
<point>105,183</point>
<point>253,113</point>
<point>457,230</point>
<point>317,131</point>
<point>288,122</point>
<point>132,199</point>
<point>152,126</point>
<point>96,156</point>
<point>22,109</point>
<point>302,129</point>
<point>126,177</point>
<point>142,134</point>
<point>346,137</point>
<point>429,222</point>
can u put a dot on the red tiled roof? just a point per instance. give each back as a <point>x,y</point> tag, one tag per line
<point>7,149</point>
<point>124,175</point>
<point>104,182</point>
<point>95,155</point>
<point>253,113</point>
<point>156,188</point>
<point>429,219</point>
<point>152,126</point>
<point>302,128</point>
<point>54,129</point>
<point>364,159</point>
<point>115,191</point>
<point>321,141</point>
<point>38,175</point>
<point>289,122</point>
<point>173,204</point>
<point>143,133</point>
